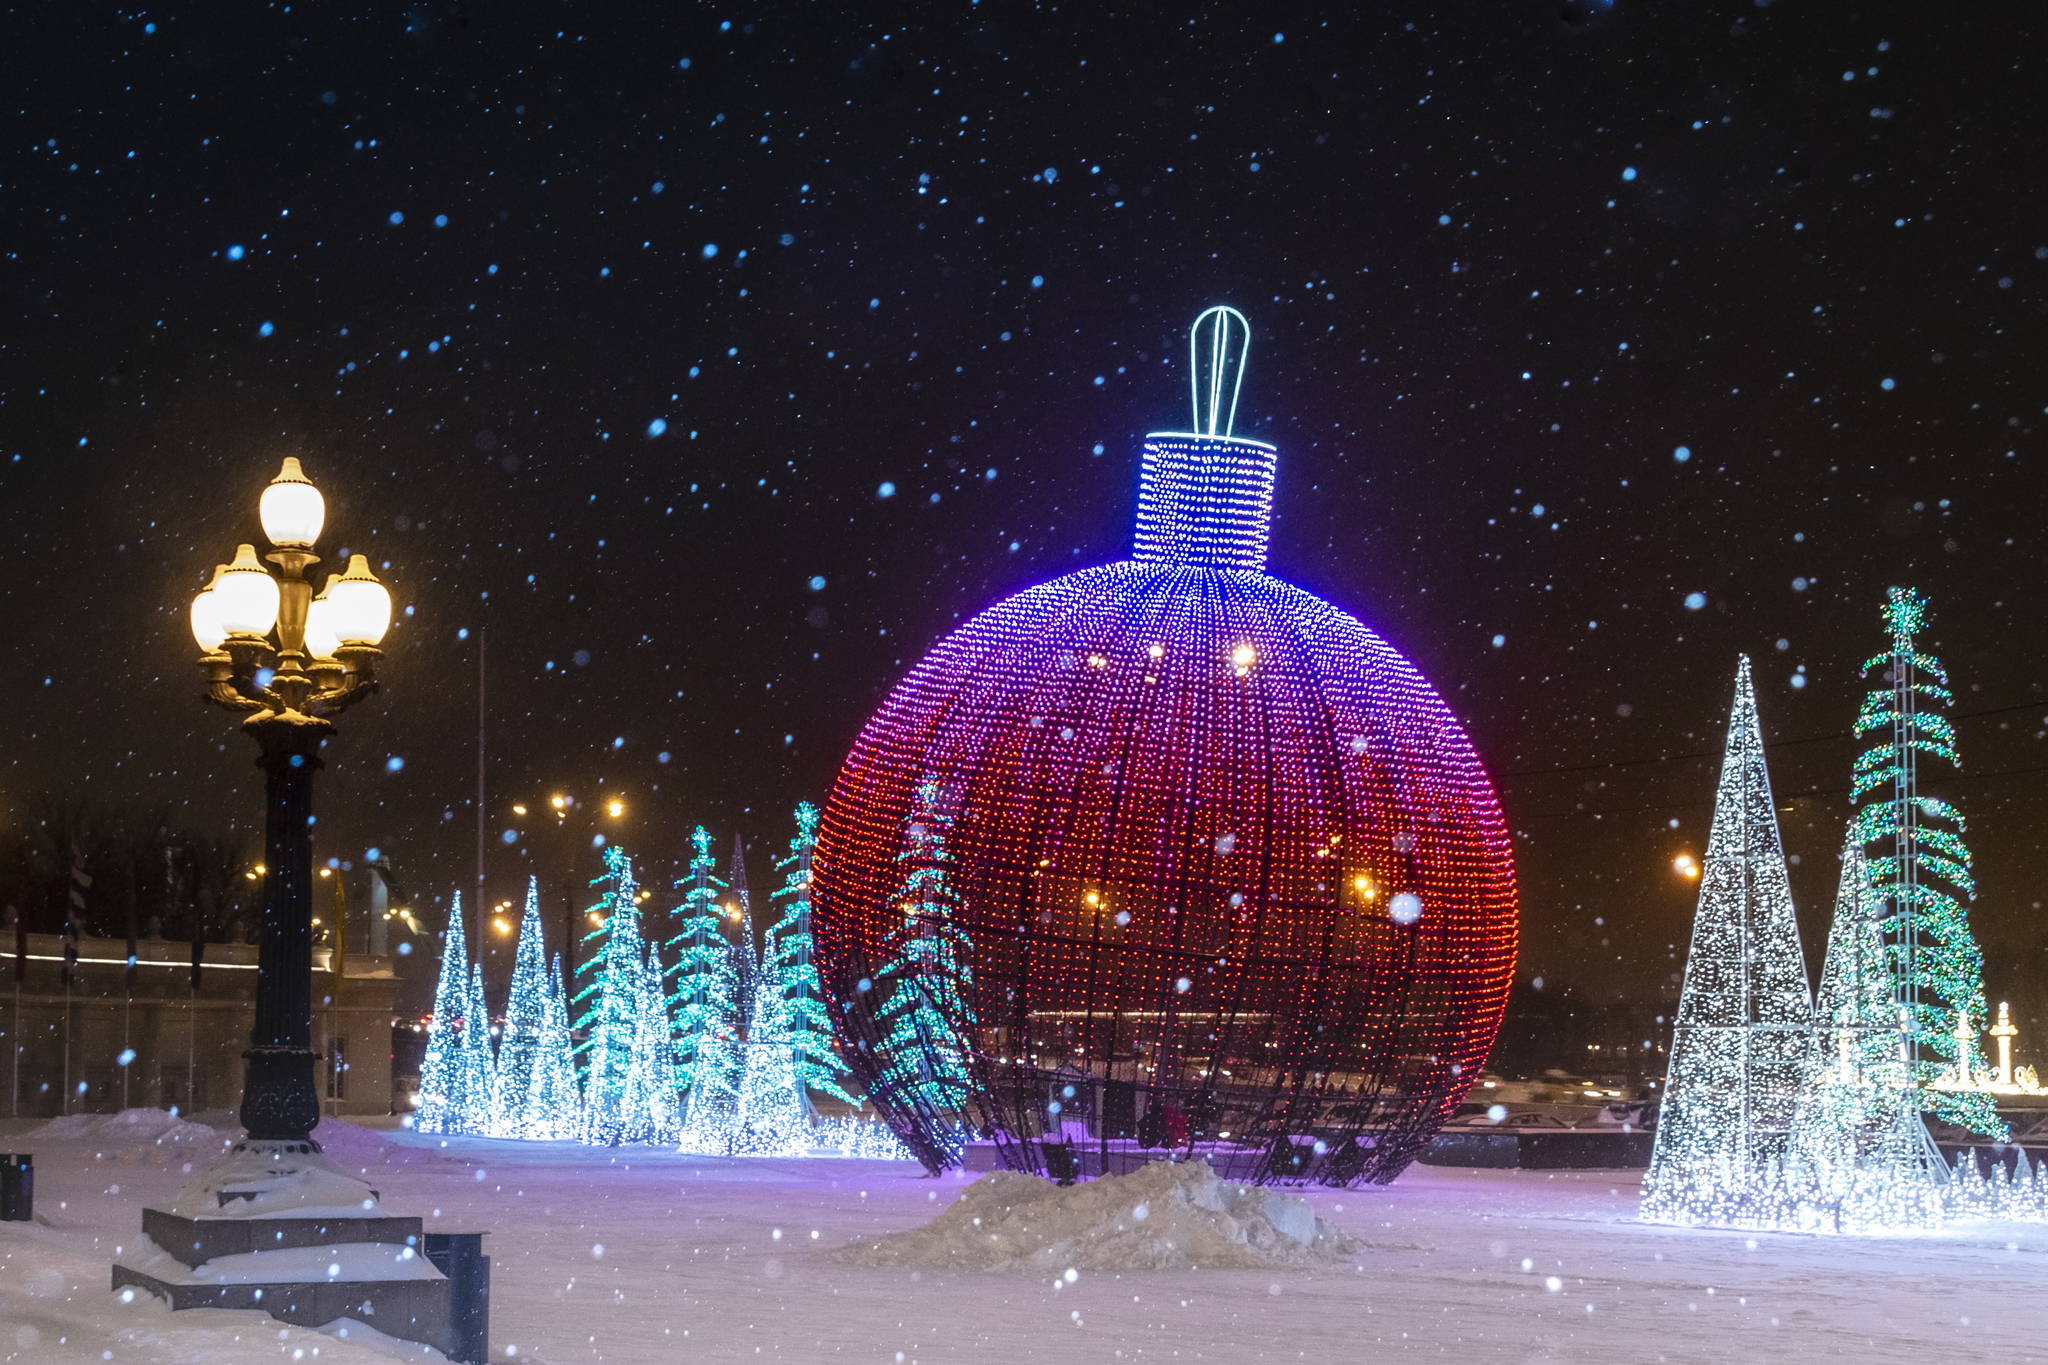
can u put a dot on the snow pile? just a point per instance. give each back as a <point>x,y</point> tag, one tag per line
<point>336,1262</point>
<point>1164,1216</point>
<point>132,1135</point>
<point>263,1179</point>
<point>351,1144</point>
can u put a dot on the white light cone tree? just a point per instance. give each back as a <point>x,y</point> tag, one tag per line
<point>444,1094</point>
<point>554,1107</point>
<point>1740,1043</point>
<point>523,1037</point>
<point>648,1109</point>
<point>478,1059</point>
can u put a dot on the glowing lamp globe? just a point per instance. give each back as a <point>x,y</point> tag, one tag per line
<point>1168,856</point>
<point>206,626</point>
<point>245,596</point>
<point>291,509</point>
<point>321,640</point>
<point>358,606</point>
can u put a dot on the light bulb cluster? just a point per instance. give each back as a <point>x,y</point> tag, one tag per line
<point>1219,861</point>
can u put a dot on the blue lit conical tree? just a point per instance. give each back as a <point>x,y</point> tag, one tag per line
<point>479,1062</point>
<point>554,1103</point>
<point>649,1110</point>
<point>1919,875</point>
<point>442,1106</point>
<point>926,1020</point>
<point>771,1117</point>
<point>611,1003</point>
<point>809,1031</point>
<point>524,1037</point>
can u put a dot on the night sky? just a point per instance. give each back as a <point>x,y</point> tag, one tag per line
<point>719,359</point>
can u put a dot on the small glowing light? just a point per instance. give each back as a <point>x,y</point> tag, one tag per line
<point>1243,656</point>
<point>519,810</point>
<point>616,808</point>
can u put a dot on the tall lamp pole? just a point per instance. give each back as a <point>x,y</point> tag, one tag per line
<point>321,662</point>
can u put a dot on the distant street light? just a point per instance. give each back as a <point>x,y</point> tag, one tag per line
<point>321,662</point>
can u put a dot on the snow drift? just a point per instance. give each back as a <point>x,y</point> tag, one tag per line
<point>1164,1216</point>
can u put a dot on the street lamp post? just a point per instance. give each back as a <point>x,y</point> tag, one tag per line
<point>321,663</point>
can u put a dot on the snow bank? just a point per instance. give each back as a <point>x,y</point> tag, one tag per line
<point>1164,1216</point>
<point>131,1134</point>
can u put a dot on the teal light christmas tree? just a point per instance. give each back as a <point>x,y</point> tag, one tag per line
<point>612,1003</point>
<point>447,1095</point>
<point>801,996</point>
<point>706,986</point>
<point>1920,878</point>
<point>523,1041</point>
<point>1740,1040</point>
<point>927,1023</point>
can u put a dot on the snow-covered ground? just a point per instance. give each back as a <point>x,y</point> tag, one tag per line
<point>639,1255</point>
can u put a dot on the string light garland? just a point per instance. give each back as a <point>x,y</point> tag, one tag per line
<point>1226,865</point>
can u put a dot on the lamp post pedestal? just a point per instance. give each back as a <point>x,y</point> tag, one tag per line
<point>279,1098</point>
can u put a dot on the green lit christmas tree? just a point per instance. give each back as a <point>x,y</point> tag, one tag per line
<point>704,998</point>
<point>612,1001</point>
<point>809,1031</point>
<point>926,1020</point>
<point>1919,878</point>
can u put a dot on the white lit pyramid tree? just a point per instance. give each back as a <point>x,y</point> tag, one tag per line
<point>706,1009</point>
<point>649,1110</point>
<point>1740,1041</point>
<point>534,1092</point>
<point>925,1020</point>
<point>768,1113</point>
<point>450,1098</point>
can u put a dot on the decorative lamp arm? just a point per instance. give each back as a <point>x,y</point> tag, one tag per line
<point>227,687</point>
<point>358,667</point>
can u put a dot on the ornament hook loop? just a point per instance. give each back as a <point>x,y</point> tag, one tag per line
<point>1224,370</point>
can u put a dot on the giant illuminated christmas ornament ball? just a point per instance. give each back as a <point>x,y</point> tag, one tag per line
<point>1168,857</point>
